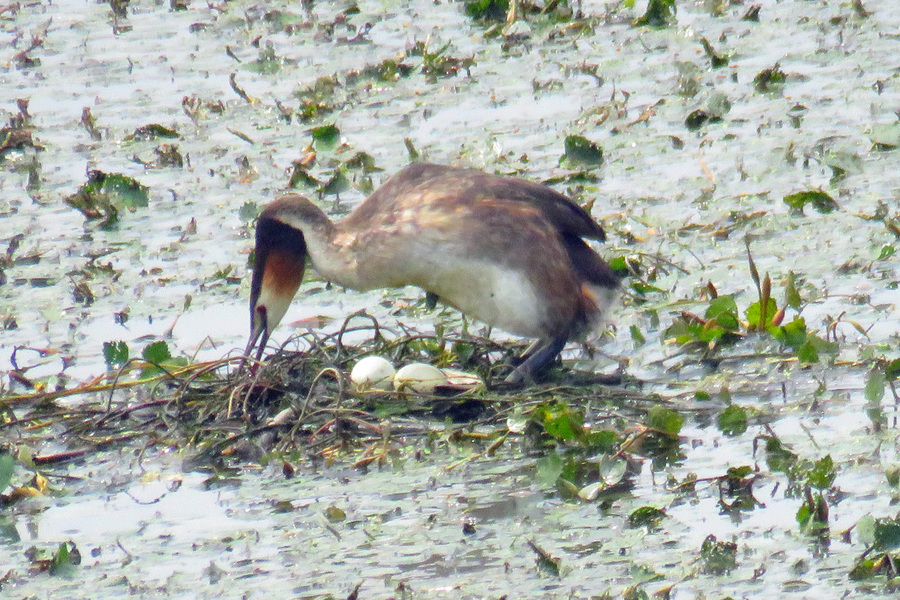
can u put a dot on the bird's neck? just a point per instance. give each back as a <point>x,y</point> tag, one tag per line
<point>331,251</point>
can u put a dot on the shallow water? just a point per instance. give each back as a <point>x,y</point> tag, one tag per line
<point>404,524</point>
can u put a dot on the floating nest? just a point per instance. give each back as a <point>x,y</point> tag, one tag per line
<point>301,402</point>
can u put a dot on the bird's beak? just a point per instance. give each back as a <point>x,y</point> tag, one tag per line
<point>259,331</point>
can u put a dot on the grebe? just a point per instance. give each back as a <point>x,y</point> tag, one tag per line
<point>507,252</point>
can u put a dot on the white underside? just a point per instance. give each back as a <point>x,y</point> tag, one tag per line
<point>493,295</point>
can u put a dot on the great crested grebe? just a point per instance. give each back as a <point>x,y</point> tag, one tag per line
<point>507,252</point>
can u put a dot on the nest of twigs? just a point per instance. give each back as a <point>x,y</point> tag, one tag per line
<point>295,401</point>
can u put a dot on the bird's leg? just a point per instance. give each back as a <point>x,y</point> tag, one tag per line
<point>537,357</point>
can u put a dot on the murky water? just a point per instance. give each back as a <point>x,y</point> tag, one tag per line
<point>165,532</point>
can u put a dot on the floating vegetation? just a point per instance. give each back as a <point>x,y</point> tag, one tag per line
<point>581,151</point>
<point>388,70</point>
<point>660,13</point>
<point>152,131</point>
<point>698,119</point>
<point>17,136</point>
<point>717,557</point>
<point>770,80</point>
<point>267,63</point>
<point>716,60</point>
<point>819,200</point>
<point>15,139</point>
<point>105,194</point>
<point>439,63</point>
<point>319,99</point>
<point>326,137</point>
<point>497,11</point>
<point>488,10</point>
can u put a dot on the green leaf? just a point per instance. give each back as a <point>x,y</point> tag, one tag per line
<point>646,516</point>
<point>125,191</point>
<point>885,136</point>
<point>875,386</point>
<point>636,592</point>
<point>299,176</point>
<point>660,13</point>
<point>326,136</point>
<point>769,80</point>
<point>562,423</point>
<point>642,289</point>
<point>808,354</point>
<point>892,474</point>
<point>724,311</point>
<point>619,265</point>
<point>778,458</point>
<point>7,468</point>
<point>336,185</point>
<point>716,60</point>
<point>793,335</point>
<point>753,314</point>
<point>636,336</point>
<point>602,441</point>
<point>665,419</point>
<point>613,470</point>
<point>335,514</point>
<point>248,212</point>
<point>822,474</point>
<point>364,162</point>
<point>864,569</point>
<point>152,131</point>
<point>820,201</point>
<point>487,10</point>
<point>104,194</point>
<point>115,354</point>
<point>267,63</point>
<point>580,150</point>
<point>892,370</point>
<point>64,559</point>
<point>738,473</point>
<point>549,468</point>
<point>411,151</point>
<point>733,420</point>
<point>717,557</point>
<point>823,346</point>
<point>60,559</point>
<point>887,534</point>
<point>157,352</point>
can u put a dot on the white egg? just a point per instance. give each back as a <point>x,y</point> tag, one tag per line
<point>372,373</point>
<point>420,378</point>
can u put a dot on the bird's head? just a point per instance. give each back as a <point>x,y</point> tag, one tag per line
<point>278,269</point>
